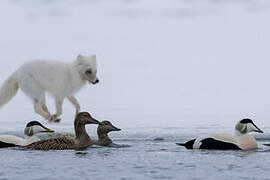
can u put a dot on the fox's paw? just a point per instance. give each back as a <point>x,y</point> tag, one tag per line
<point>54,118</point>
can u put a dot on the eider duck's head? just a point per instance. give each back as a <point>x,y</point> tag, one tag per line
<point>35,127</point>
<point>84,118</point>
<point>247,125</point>
<point>106,127</point>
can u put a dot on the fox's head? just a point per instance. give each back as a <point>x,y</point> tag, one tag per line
<point>87,67</point>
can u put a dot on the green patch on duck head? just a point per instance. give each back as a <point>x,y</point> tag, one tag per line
<point>28,131</point>
<point>242,128</point>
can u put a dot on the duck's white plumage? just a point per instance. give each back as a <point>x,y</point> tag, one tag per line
<point>247,142</point>
<point>30,131</point>
<point>226,137</point>
<point>225,141</point>
<point>18,141</point>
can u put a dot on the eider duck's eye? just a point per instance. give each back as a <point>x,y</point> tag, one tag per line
<point>89,71</point>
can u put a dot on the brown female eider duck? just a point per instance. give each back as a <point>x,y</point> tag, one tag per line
<point>81,141</point>
<point>103,129</point>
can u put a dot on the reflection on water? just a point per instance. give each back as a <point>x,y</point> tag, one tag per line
<point>81,154</point>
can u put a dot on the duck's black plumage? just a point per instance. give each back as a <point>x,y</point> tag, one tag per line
<point>5,145</point>
<point>33,123</point>
<point>245,121</point>
<point>188,145</point>
<point>211,143</point>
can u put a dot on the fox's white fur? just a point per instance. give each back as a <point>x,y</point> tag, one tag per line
<point>60,79</point>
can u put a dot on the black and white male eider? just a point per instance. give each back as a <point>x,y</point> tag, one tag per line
<point>30,131</point>
<point>224,141</point>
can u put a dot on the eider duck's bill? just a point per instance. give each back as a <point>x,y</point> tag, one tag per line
<point>259,131</point>
<point>46,130</point>
<point>256,129</point>
<point>115,128</point>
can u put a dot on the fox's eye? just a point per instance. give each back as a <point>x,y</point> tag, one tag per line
<point>89,71</point>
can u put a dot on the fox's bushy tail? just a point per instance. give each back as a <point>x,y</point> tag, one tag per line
<point>8,90</point>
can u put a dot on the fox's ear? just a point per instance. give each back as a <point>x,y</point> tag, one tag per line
<point>79,56</point>
<point>79,60</point>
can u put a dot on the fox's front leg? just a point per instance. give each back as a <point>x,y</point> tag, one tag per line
<point>75,103</point>
<point>59,111</point>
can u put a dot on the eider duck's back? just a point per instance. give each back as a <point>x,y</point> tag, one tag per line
<point>53,144</point>
<point>224,137</point>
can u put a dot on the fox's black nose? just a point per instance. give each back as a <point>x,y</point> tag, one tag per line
<point>95,82</point>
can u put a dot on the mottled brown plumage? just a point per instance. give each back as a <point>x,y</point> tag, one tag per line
<point>81,141</point>
<point>103,129</point>
<point>53,144</point>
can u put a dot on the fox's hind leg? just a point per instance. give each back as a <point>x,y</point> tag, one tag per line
<point>45,108</point>
<point>32,89</point>
<point>39,110</point>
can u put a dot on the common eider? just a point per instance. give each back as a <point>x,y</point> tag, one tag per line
<point>30,131</point>
<point>103,129</point>
<point>81,141</point>
<point>225,141</point>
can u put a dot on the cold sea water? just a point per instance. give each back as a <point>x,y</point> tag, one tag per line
<point>147,153</point>
<point>169,70</point>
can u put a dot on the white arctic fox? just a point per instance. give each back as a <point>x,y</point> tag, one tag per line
<point>60,79</point>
